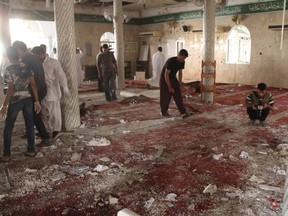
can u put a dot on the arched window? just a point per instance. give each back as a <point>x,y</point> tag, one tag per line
<point>108,38</point>
<point>238,45</point>
<point>179,44</point>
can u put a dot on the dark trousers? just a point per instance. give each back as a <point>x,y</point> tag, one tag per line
<point>100,84</point>
<point>109,85</point>
<point>165,96</point>
<point>256,114</point>
<point>26,106</point>
<point>38,122</point>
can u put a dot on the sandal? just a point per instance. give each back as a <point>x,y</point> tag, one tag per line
<point>5,159</point>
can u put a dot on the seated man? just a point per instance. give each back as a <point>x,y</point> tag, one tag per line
<point>259,103</point>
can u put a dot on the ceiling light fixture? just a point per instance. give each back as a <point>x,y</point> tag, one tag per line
<point>109,16</point>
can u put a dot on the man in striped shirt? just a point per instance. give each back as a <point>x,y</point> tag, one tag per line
<point>259,103</point>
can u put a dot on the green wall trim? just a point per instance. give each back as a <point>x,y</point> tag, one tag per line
<point>276,5</point>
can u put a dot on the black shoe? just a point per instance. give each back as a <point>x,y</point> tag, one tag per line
<point>55,134</point>
<point>186,115</point>
<point>43,144</point>
<point>166,115</point>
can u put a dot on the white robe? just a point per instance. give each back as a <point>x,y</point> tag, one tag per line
<point>158,61</point>
<point>55,79</point>
<point>80,72</point>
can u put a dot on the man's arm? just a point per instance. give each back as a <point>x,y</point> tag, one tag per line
<point>62,78</point>
<point>167,80</point>
<point>37,106</point>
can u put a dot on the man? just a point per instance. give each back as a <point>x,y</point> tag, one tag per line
<point>100,78</point>
<point>55,80</point>
<point>259,103</point>
<point>34,64</point>
<point>19,99</point>
<point>80,72</point>
<point>158,61</point>
<point>108,70</point>
<point>170,86</point>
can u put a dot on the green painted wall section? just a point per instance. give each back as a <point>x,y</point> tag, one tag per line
<point>270,6</point>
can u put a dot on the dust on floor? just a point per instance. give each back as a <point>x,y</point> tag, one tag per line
<point>124,155</point>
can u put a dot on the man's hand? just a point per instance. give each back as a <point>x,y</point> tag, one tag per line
<point>37,107</point>
<point>3,111</point>
<point>171,90</point>
<point>67,94</point>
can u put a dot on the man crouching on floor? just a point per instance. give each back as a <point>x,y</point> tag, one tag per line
<point>259,103</point>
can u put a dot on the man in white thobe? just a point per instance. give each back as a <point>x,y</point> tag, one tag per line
<point>55,79</point>
<point>158,61</point>
<point>80,72</point>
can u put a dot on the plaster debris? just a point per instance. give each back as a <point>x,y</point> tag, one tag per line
<point>244,154</point>
<point>217,157</point>
<point>58,176</point>
<point>210,189</point>
<point>101,168</point>
<point>75,157</point>
<point>254,178</point>
<point>126,131</point>
<point>104,159</point>
<point>113,200</point>
<point>122,121</point>
<point>232,158</point>
<point>27,170</point>
<point>99,142</point>
<point>271,188</point>
<point>149,203</point>
<point>82,125</point>
<point>171,197</point>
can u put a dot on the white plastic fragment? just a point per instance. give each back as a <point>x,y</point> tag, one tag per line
<point>281,173</point>
<point>127,212</point>
<point>99,142</point>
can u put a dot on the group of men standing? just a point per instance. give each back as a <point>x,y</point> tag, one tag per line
<point>35,85</point>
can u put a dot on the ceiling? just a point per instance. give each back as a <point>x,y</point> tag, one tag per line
<point>145,7</point>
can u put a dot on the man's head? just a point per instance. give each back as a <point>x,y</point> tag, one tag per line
<point>12,54</point>
<point>105,48</point>
<point>182,55</point>
<point>21,48</point>
<point>261,89</point>
<point>160,49</point>
<point>44,47</point>
<point>54,50</point>
<point>39,51</point>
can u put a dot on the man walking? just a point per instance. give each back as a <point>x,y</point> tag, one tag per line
<point>108,70</point>
<point>170,86</point>
<point>33,63</point>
